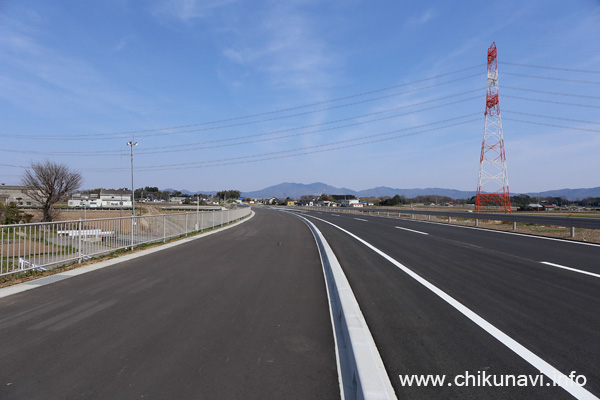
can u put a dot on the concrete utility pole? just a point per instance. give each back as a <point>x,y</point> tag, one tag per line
<point>131,144</point>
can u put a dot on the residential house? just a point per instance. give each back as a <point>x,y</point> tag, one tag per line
<point>91,200</point>
<point>20,195</point>
<point>115,198</point>
<point>351,203</point>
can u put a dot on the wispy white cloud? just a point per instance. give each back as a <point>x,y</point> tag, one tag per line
<point>288,45</point>
<point>422,18</point>
<point>122,44</point>
<point>188,10</point>
<point>49,80</point>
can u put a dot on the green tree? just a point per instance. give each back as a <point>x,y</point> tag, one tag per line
<point>229,194</point>
<point>10,214</point>
<point>325,197</point>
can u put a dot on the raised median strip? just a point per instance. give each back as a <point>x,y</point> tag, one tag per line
<point>22,287</point>
<point>360,367</point>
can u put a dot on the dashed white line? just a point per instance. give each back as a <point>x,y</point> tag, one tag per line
<point>334,215</point>
<point>551,372</point>
<point>360,219</point>
<point>571,269</point>
<point>411,230</point>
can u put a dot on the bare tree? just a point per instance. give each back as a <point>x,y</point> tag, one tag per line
<point>48,182</point>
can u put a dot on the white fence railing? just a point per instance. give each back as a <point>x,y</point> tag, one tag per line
<point>41,246</point>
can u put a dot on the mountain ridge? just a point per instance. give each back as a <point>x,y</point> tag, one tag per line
<point>296,190</point>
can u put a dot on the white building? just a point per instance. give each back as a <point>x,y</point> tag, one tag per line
<point>177,199</point>
<point>115,198</point>
<point>351,203</point>
<point>91,200</point>
<point>18,195</point>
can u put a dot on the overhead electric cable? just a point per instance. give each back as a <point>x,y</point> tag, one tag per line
<point>110,136</point>
<point>211,143</point>
<point>553,117</point>
<point>319,151</point>
<point>160,167</point>
<point>552,78</point>
<point>552,125</point>
<point>551,68</point>
<point>551,93</point>
<point>551,101</point>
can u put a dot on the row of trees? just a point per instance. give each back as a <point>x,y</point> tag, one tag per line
<point>521,201</point>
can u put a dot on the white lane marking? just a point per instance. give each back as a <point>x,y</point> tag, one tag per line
<point>558,377</point>
<point>334,215</point>
<point>571,269</point>
<point>411,230</point>
<point>496,231</point>
<point>360,219</point>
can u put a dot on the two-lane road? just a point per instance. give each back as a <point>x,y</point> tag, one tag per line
<point>241,314</point>
<point>552,312</point>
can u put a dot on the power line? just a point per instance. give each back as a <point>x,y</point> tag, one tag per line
<point>14,166</point>
<point>551,93</point>
<point>552,117</point>
<point>551,101</point>
<point>326,150</point>
<point>179,165</point>
<point>212,143</point>
<point>552,79</point>
<point>552,125</point>
<point>108,136</point>
<point>551,68</point>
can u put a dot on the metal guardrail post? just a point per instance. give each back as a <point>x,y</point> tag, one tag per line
<point>476,222</point>
<point>79,242</point>
<point>429,217</point>
<point>164,228</point>
<point>449,219</point>
<point>186,226</point>
<point>572,231</point>
<point>132,229</point>
<point>514,225</point>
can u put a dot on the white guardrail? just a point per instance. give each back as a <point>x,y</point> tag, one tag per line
<point>40,246</point>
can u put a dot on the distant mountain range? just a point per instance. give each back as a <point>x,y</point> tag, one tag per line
<point>296,190</point>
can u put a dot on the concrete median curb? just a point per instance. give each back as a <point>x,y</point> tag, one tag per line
<point>360,367</point>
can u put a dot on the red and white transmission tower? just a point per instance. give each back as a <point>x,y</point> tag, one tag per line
<point>492,187</point>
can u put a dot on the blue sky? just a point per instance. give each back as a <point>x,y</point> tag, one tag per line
<point>226,94</point>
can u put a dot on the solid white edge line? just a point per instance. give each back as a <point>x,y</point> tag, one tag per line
<point>571,269</point>
<point>558,377</point>
<point>46,280</point>
<point>412,230</point>
<point>361,370</point>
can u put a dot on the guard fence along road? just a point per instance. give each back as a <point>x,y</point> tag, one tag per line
<point>41,246</point>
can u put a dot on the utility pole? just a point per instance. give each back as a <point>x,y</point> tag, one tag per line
<point>131,144</point>
<point>492,186</point>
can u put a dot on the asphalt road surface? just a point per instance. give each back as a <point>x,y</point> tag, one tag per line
<point>553,312</point>
<point>241,314</point>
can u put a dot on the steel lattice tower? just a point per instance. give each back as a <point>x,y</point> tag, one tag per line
<point>492,187</point>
